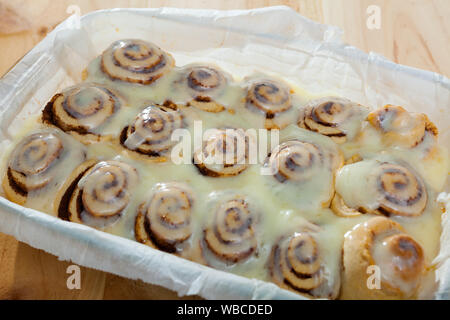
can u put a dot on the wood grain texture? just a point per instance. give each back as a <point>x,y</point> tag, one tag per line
<point>413,32</point>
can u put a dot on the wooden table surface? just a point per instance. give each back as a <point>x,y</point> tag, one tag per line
<point>413,32</point>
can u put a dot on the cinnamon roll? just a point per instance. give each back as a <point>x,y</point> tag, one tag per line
<point>302,170</point>
<point>296,161</point>
<point>271,99</point>
<point>82,110</point>
<point>400,127</point>
<point>230,236</point>
<point>382,243</point>
<point>136,61</point>
<point>205,84</point>
<point>151,132</point>
<point>224,153</point>
<point>389,189</point>
<point>164,222</point>
<point>411,137</point>
<point>337,118</point>
<point>98,194</point>
<point>37,162</point>
<point>296,264</point>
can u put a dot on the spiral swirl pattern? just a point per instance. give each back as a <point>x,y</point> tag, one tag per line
<point>204,84</point>
<point>391,190</point>
<point>296,160</point>
<point>382,242</point>
<point>400,127</point>
<point>409,251</point>
<point>225,153</point>
<point>204,79</point>
<point>136,61</point>
<point>402,192</point>
<point>165,221</point>
<point>151,132</point>
<point>101,193</point>
<point>295,263</point>
<point>328,116</point>
<point>82,109</point>
<point>231,235</point>
<point>31,162</point>
<point>269,97</point>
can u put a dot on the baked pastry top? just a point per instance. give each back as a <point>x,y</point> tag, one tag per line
<point>319,194</point>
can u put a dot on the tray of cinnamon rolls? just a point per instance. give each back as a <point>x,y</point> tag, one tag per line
<point>321,195</point>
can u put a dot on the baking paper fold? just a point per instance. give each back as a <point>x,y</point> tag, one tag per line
<point>271,40</point>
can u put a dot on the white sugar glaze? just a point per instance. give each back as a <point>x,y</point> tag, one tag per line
<point>282,207</point>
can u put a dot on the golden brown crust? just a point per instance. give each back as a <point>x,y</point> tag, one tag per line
<point>13,192</point>
<point>400,127</point>
<point>358,254</point>
<point>206,104</point>
<point>140,232</point>
<point>84,74</point>
<point>341,209</point>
